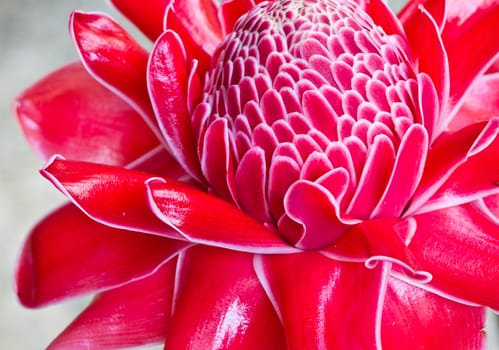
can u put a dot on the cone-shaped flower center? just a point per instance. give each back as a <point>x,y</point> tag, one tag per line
<point>304,115</point>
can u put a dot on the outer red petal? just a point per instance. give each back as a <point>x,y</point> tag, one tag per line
<point>449,152</point>
<point>459,246</point>
<point>203,218</point>
<point>480,103</point>
<point>380,240</point>
<point>110,195</point>
<point>160,161</point>
<point>414,319</point>
<point>383,16</point>
<point>200,19</point>
<point>476,178</point>
<point>69,113</point>
<point>68,254</point>
<point>431,55</point>
<point>469,28</point>
<point>323,303</point>
<point>167,83</point>
<point>136,314</point>
<point>115,59</point>
<point>232,10</point>
<point>197,23</point>
<point>410,14</point>
<point>490,205</point>
<point>148,18</point>
<point>221,304</point>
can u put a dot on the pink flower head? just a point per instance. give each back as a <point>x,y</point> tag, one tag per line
<point>294,174</point>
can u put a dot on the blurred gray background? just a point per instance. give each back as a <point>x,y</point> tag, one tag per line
<point>33,41</point>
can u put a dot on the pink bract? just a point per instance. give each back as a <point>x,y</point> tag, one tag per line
<point>317,174</point>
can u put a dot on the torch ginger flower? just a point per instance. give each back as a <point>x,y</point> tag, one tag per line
<point>301,174</point>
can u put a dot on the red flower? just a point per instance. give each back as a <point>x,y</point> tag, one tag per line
<point>293,174</point>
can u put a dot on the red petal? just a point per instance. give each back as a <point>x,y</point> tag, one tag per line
<point>115,59</point>
<point>380,240</point>
<point>490,207</point>
<point>430,54</point>
<point>476,178</point>
<point>377,170</point>
<point>480,104</point>
<point>203,218</point>
<point>383,16</point>
<point>322,303</point>
<point>450,151</point>
<point>407,172</point>
<point>316,224</point>
<point>232,10</point>
<point>410,15</point>
<point>467,25</point>
<point>167,82</point>
<point>250,180</point>
<point>149,19</point>
<point>197,23</point>
<point>69,113</point>
<point>216,160</point>
<point>68,254</point>
<point>429,107</point>
<point>231,309</point>
<point>469,28</point>
<point>459,246</point>
<point>160,161</point>
<point>414,319</point>
<point>136,314</point>
<point>110,195</point>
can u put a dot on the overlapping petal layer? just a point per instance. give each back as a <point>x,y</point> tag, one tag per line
<point>234,315</point>
<point>69,113</point>
<point>135,314</point>
<point>89,257</point>
<point>169,89</point>
<point>148,18</point>
<point>114,58</point>
<point>459,246</point>
<point>205,219</point>
<point>416,319</point>
<point>480,104</point>
<point>96,189</point>
<point>330,301</point>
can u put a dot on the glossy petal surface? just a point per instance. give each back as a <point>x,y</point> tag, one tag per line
<point>234,315</point>
<point>197,23</point>
<point>135,314</point>
<point>416,319</point>
<point>431,55</point>
<point>97,189</point>
<point>114,58</point>
<point>167,83</point>
<point>202,218</point>
<point>68,254</point>
<point>69,113</point>
<point>330,301</point>
<point>459,246</point>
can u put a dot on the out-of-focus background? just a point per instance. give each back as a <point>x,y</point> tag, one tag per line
<point>34,40</point>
